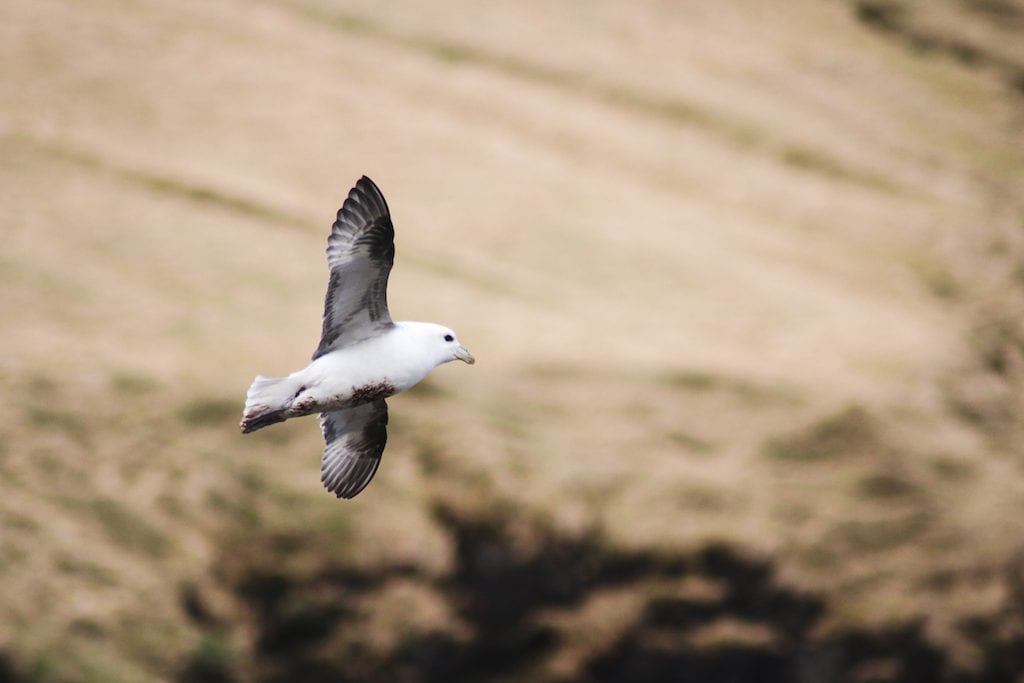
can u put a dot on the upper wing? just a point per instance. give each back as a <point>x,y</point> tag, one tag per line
<point>360,252</point>
<point>355,441</point>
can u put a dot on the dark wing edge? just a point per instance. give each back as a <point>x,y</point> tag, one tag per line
<point>355,442</point>
<point>360,253</point>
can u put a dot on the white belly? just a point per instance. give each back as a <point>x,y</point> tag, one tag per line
<point>374,369</point>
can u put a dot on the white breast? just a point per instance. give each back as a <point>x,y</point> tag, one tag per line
<point>393,358</point>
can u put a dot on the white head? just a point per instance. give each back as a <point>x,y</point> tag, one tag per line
<point>442,341</point>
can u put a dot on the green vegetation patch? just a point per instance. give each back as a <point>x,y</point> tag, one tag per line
<point>128,529</point>
<point>876,535</point>
<point>211,662</point>
<point>206,411</point>
<point>699,381</point>
<point>815,161</point>
<point>851,432</point>
<point>170,185</point>
<point>132,384</point>
<point>691,442</point>
<point>886,486</point>
<point>54,419</point>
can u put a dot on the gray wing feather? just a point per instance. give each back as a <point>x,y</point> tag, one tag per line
<point>355,442</point>
<point>360,253</point>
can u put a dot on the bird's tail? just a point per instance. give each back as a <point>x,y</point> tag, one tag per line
<point>267,402</point>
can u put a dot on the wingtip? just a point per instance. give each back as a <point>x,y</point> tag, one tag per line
<point>342,492</point>
<point>364,203</point>
<point>366,183</point>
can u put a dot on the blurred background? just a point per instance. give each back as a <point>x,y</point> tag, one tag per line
<point>745,285</point>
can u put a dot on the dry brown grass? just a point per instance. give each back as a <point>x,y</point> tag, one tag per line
<point>733,276</point>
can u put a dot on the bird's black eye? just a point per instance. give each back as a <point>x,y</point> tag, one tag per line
<point>449,337</point>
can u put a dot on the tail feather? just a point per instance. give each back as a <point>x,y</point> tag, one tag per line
<point>267,403</point>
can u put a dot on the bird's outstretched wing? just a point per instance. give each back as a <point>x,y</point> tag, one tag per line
<point>355,441</point>
<point>360,252</point>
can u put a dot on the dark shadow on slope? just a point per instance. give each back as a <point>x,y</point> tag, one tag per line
<point>9,673</point>
<point>506,572</point>
<point>311,617</point>
<point>654,651</point>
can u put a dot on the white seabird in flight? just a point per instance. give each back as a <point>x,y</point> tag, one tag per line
<point>363,356</point>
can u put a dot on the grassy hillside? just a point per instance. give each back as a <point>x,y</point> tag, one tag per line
<point>746,289</point>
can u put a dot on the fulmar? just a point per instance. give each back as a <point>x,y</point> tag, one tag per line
<point>363,357</point>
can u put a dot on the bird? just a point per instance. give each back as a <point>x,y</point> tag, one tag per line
<point>363,356</point>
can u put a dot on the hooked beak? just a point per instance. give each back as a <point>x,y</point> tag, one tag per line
<point>463,354</point>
